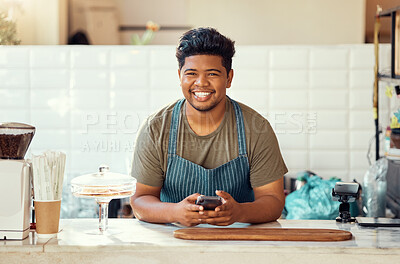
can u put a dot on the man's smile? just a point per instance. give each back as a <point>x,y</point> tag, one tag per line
<point>202,95</point>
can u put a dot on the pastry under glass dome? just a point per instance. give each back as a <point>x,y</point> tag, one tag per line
<point>103,186</point>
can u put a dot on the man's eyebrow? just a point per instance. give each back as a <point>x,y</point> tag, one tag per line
<point>208,70</point>
<point>190,70</point>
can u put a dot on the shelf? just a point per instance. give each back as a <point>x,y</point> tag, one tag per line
<point>391,77</point>
<point>388,78</point>
<point>388,12</point>
<point>393,154</point>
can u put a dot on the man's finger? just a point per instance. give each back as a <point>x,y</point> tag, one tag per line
<point>211,213</point>
<point>194,207</point>
<point>222,207</point>
<point>226,196</point>
<point>193,197</point>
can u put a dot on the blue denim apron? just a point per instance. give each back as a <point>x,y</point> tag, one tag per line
<point>184,177</point>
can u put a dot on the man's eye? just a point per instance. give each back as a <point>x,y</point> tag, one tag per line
<point>212,74</point>
<point>190,73</point>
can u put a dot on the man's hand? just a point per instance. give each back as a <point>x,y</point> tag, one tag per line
<point>187,212</point>
<point>147,207</point>
<point>267,206</point>
<point>269,201</point>
<point>226,214</point>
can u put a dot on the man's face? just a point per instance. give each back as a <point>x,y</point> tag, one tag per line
<point>204,81</point>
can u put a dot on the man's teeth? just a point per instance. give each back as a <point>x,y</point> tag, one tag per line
<point>202,94</point>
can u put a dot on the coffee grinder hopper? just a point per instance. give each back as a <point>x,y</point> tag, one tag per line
<point>15,139</point>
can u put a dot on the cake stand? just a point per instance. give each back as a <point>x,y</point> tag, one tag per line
<point>103,186</point>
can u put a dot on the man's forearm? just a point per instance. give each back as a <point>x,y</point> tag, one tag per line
<point>265,209</point>
<point>150,209</point>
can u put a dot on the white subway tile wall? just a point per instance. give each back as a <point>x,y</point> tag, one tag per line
<point>288,79</point>
<point>332,58</point>
<point>90,100</point>
<point>328,79</point>
<point>298,159</point>
<point>285,58</point>
<point>43,57</point>
<point>252,58</point>
<point>13,78</point>
<point>14,57</point>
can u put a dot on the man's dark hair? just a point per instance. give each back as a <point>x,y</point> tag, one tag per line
<point>205,41</point>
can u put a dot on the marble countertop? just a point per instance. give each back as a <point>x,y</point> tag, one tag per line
<point>154,243</point>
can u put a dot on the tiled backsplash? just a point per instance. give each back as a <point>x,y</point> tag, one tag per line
<point>90,100</point>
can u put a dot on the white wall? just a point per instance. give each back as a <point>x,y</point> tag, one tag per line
<point>260,22</point>
<point>254,22</point>
<point>251,22</point>
<point>172,13</point>
<point>42,22</point>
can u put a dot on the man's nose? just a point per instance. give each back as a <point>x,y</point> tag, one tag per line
<point>201,80</point>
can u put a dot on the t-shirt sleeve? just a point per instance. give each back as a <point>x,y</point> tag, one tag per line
<point>267,164</point>
<point>146,164</point>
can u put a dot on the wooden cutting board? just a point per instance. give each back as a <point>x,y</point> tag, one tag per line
<point>269,234</point>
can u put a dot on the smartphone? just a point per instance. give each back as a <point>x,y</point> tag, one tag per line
<point>209,202</point>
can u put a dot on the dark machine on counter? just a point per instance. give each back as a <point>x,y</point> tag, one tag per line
<point>346,193</point>
<point>15,180</point>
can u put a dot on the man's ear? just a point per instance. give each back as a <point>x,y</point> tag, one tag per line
<point>179,76</point>
<point>230,77</point>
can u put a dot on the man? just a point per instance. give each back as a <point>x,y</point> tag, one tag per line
<point>207,144</point>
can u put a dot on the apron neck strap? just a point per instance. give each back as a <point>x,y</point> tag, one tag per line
<point>240,128</point>
<point>173,131</point>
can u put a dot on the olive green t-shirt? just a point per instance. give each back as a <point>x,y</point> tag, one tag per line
<point>150,157</point>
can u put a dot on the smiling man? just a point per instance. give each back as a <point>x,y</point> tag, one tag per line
<point>207,144</point>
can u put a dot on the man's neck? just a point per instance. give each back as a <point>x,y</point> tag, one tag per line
<point>205,122</point>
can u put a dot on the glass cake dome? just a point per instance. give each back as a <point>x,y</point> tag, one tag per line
<point>103,186</point>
